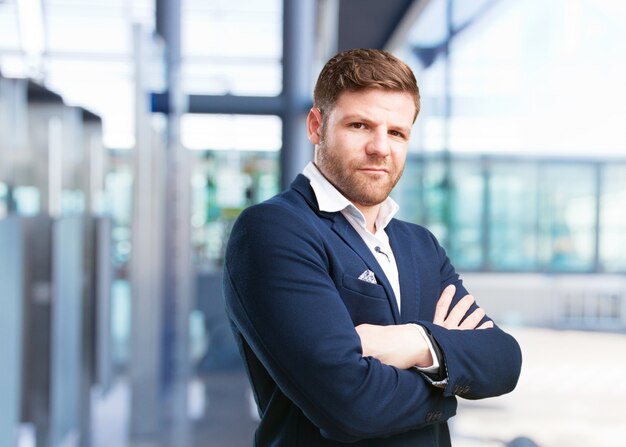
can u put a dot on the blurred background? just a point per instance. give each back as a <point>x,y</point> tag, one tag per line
<point>133,132</point>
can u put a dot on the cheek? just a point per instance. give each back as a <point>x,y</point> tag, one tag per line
<point>399,156</point>
<point>342,145</point>
<point>342,139</point>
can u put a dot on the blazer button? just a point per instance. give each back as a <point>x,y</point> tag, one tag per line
<point>460,390</point>
<point>433,416</point>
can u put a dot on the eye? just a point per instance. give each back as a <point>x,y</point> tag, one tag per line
<point>396,133</point>
<point>357,125</point>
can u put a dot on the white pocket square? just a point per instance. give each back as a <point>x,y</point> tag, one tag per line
<point>368,276</point>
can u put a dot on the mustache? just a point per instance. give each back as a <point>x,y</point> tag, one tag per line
<point>373,162</point>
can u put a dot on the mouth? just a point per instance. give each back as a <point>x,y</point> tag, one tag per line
<point>374,170</point>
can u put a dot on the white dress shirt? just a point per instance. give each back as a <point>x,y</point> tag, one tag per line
<point>330,200</point>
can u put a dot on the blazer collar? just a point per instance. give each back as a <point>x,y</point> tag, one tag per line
<point>302,185</point>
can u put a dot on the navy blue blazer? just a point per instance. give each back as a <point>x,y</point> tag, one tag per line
<point>293,298</point>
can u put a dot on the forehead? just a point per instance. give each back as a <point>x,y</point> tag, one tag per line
<point>376,104</point>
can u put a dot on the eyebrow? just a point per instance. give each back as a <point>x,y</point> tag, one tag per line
<point>358,117</point>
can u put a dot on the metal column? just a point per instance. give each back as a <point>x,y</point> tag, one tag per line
<point>11,346</point>
<point>146,262</point>
<point>177,267</point>
<point>298,57</point>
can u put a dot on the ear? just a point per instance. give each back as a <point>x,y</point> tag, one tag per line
<point>314,124</point>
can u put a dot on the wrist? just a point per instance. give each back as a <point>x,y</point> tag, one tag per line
<point>422,353</point>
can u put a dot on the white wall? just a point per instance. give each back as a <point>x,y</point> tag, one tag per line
<point>583,301</point>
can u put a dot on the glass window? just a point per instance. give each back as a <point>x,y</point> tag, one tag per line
<point>119,198</point>
<point>218,57</point>
<point>228,132</point>
<point>9,31</point>
<point>4,200</point>
<point>431,125</point>
<point>613,219</point>
<point>104,88</point>
<point>446,196</point>
<point>223,184</point>
<point>435,199</point>
<point>523,74</point>
<point>567,217</point>
<point>249,77</point>
<point>466,208</point>
<point>513,216</point>
<point>409,191</point>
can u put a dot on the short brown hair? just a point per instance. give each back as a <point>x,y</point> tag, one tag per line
<point>361,69</point>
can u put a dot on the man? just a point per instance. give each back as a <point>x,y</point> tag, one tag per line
<point>353,326</point>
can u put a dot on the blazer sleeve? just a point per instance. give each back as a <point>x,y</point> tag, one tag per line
<point>479,363</point>
<point>281,298</point>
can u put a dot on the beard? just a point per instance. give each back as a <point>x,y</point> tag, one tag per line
<point>357,186</point>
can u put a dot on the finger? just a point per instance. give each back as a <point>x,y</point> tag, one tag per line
<point>486,325</point>
<point>473,319</point>
<point>443,304</point>
<point>458,311</point>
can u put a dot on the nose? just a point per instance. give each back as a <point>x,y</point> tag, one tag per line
<point>378,143</point>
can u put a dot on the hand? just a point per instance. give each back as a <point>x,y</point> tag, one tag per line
<point>401,346</point>
<point>453,320</point>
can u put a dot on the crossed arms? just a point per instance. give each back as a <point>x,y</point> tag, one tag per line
<point>403,346</point>
<point>286,297</point>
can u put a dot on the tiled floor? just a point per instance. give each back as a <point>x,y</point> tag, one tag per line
<point>228,420</point>
<point>572,393</point>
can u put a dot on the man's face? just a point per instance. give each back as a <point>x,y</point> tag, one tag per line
<point>361,148</point>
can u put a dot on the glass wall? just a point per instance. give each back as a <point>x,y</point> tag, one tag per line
<point>520,77</point>
<point>223,184</point>
<point>218,58</point>
<point>513,216</point>
<point>517,147</point>
<point>466,205</point>
<point>509,214</point>
<point>567,217</point>
<point>612,234</point>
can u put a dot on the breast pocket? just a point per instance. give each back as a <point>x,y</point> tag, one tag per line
<point>366,302</point>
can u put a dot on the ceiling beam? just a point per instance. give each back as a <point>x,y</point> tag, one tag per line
<point>369,23</point>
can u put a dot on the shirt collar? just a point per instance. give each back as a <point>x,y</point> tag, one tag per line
<point>330,200</point>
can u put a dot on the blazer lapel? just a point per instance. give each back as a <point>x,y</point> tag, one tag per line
<point>343,228</point>
<point>349,235</point>
<point>408,272</point>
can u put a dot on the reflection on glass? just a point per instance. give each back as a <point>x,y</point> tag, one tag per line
<point>223,184</point>
<point>504,214</point>
<point>409,191</point>
<point>567,205</point>
<point>513,216</point>
<point>613,219</point>
<point>72,201</point>
<point>466,217</point>
<point>4,200</point>
<point>119,193</point>
<point>27,200</point>
<point>436,199</point>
